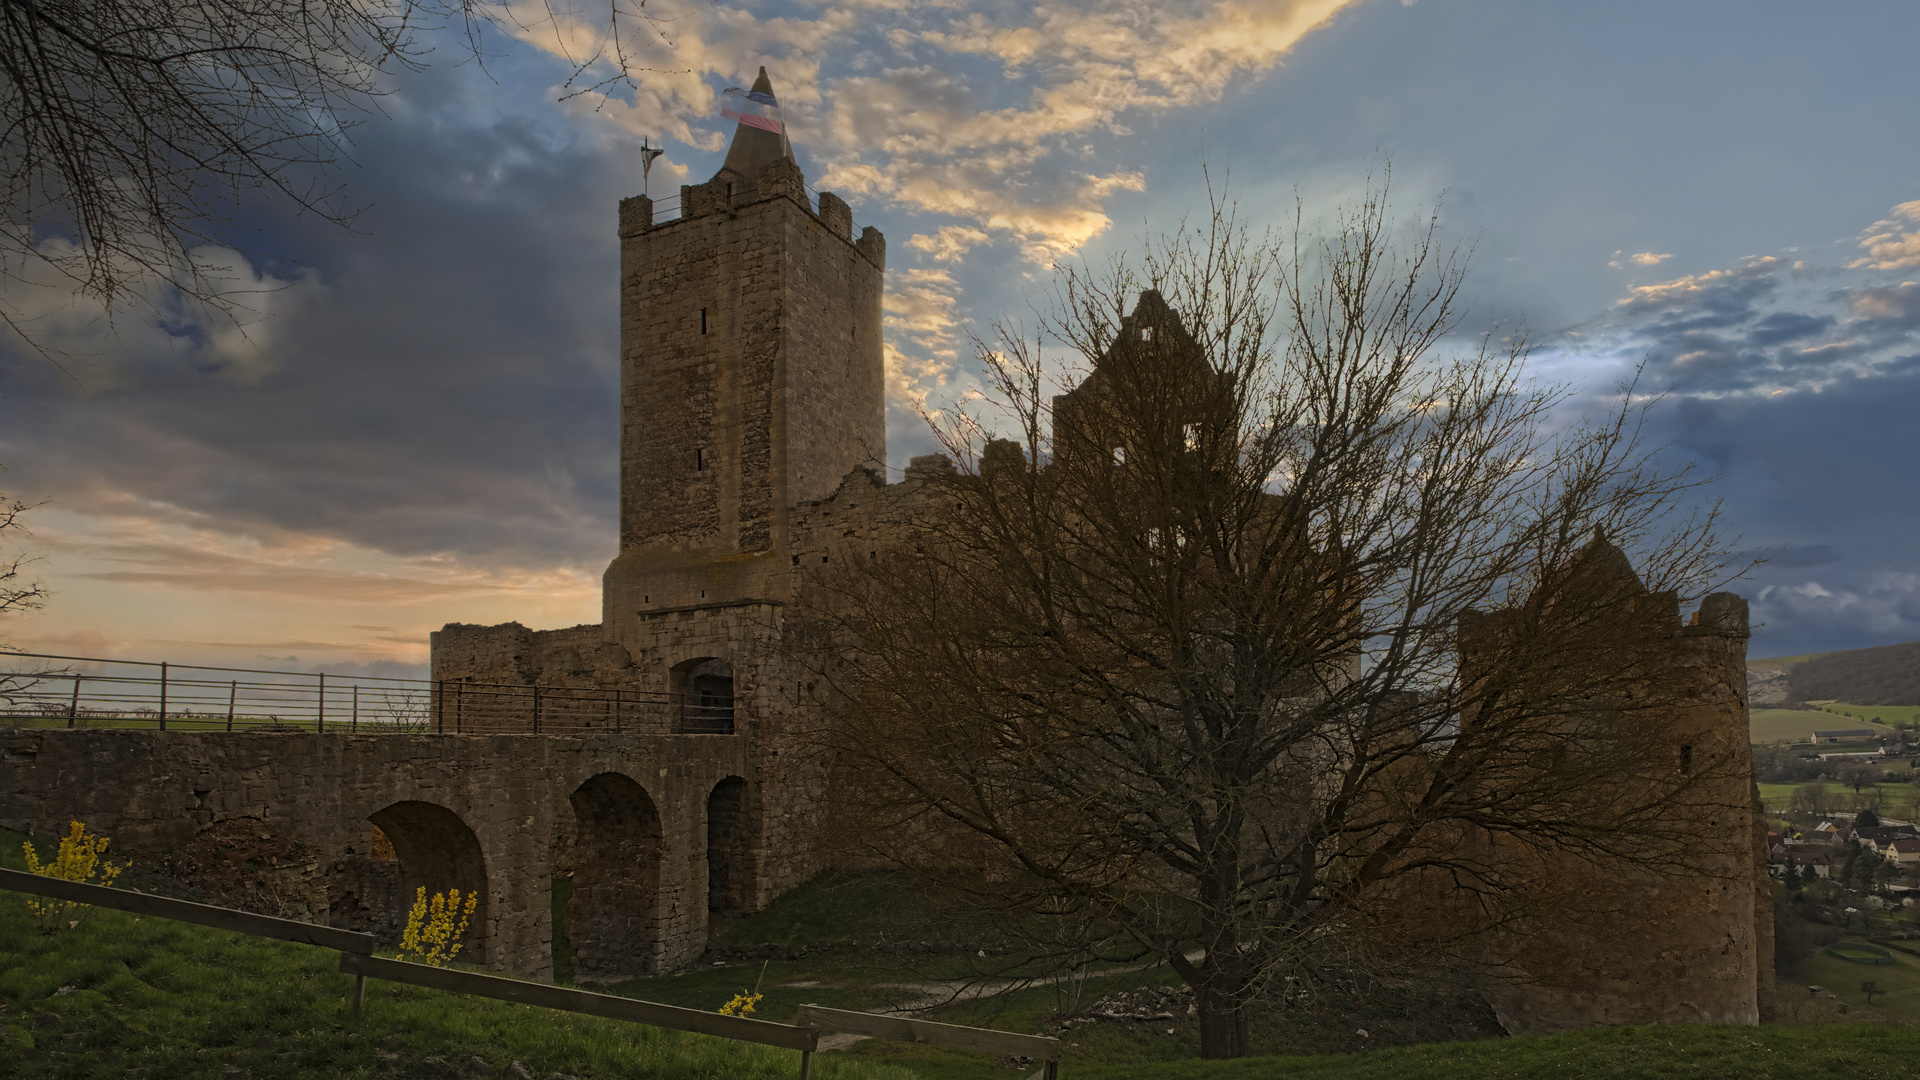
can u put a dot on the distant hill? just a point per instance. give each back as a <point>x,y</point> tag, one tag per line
<point>1883,675</point>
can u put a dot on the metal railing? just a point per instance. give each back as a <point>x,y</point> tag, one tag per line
<point>667,209</point>
<point>81,691</point>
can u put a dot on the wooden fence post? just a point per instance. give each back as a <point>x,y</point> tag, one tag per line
<point>355,726</point>
<point>233,695</point>
<point>73,710</point>
<point>320,707</point>
<point>163,695</point>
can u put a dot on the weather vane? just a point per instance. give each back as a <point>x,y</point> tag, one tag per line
<point>647,154</point>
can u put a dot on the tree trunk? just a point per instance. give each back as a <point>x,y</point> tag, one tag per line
<point>1223,1021</point>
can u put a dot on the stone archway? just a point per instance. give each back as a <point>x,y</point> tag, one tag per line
<point>437,851</point>
<point>616,879</point>
<point>726,847</point>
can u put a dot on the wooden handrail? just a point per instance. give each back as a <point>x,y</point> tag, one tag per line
<point>245,922</point>
<point>986,1040</point>
<point>739,1028</point>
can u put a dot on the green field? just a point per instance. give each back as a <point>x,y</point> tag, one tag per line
<point>1871,713</point>
<point>127,996</point>
<point>1892,796</point>
<point>1900,982</point>
<point>1798,725</point>
<point>1783,662</point>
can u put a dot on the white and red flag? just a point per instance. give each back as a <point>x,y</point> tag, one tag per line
<point>753,108</point>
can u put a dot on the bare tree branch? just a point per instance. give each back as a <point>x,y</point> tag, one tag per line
<point>1289,636</point>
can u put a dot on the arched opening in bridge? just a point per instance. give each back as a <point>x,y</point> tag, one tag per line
<point>726,857</point>
<point>437,852</point>
<point>703,688</point>
<point>616,879</point>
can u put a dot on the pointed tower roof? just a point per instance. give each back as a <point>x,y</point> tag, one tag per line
<point>755,147</point>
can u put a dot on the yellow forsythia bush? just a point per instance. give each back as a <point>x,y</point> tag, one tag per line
<point>435,924</point>
<point>79,858</point>
<point>744,1001</point>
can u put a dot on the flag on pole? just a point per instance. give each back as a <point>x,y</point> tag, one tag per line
<point>752,108</point>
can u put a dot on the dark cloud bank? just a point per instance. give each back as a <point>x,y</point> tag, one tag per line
<point>1802,387</point>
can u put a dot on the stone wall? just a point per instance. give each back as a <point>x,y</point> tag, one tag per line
<point>154,791</point>
<point>1689,943</point>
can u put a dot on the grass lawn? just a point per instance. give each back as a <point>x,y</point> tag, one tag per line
<point>1646,1053</point>
<point>1798,725</point>
<point>1899,980</point>
<point>127,996</point>
<point>1892,796</point>
<point>1872,714</point>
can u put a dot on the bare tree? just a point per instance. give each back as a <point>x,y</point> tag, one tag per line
<point>17,591</point>
<point>1284,641</point>
<point>1858,775</point>
<point>134,129</point>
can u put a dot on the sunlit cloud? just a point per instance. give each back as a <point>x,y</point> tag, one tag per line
<point>1894,242</point>
<point>1645,258</point>
<point>949,243</point>
<point>923,133</point>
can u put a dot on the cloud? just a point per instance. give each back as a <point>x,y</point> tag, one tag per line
<point>1888,303</point>
<point>1644,258</point>
<point>950,243</point>
<point>1761,326</point>
<point>1894,242</point>
<point>928,131</point>
<point>1884,607</point>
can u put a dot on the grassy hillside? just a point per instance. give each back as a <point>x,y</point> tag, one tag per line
<point>122,995</point>
<point>125,996</point>
<point>1885,675</point>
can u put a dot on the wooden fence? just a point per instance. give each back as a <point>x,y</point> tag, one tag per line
<point>357,959</point>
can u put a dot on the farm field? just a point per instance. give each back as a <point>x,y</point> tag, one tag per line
<point>1892,796</point>
<point>1798,725</point>
<point>1872,713</point>
<point>1782,662</point>
<point>1899,981</point>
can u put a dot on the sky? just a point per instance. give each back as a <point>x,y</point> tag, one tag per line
<point>415,422</point>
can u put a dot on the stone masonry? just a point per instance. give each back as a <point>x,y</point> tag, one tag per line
<point>488,812</point>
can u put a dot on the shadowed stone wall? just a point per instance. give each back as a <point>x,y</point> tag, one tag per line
<point>475,811</point>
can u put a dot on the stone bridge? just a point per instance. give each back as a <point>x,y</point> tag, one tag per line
<point>653,829</point>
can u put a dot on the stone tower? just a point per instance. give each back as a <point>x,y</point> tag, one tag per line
<point>751,379</point>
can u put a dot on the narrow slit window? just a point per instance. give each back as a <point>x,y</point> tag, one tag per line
<point>699,460</point>
<point>703,320</point>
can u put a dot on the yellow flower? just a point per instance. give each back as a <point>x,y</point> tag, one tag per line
<point>742,1003</point>
<point>79,858</point>
<point>435,924</point>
